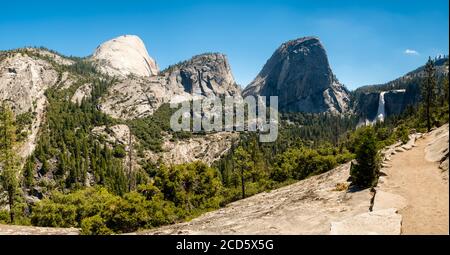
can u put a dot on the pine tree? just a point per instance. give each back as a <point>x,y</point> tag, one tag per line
<point>446,92</point>
<point>29,173</point>
<point>428,90</point>
<point>243,164</point>
<point>9,161</point>
<point>365,172</point>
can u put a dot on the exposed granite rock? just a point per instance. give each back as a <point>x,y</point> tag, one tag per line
<point>28,230</point>
<point>385,200</point>
<point>83,92</point>
<point>381,222</point>
<point>117,134</point>
<point>305,207</point>
<point>203,75</point>
<point>134,97</point>
<point>23,81</point>
<point>206,148</point>
<point>52,55</point>
<point>395,102</point>
<point>123,56</point>
<point>438,149</point>
<point>206,75</point>
<point>300,75</point>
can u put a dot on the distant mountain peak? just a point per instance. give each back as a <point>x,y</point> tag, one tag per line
<point>300,75</point>
<point>125,55</point>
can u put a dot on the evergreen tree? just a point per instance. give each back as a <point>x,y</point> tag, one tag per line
<point>428,90</point>
<point>9,161</point>
<point>446,92</point>
<point>365,172</point>
<point>244,165</point>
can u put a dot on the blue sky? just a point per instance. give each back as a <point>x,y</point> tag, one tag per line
<point>367,42</point>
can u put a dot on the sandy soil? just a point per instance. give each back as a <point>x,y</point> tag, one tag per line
<point>424,187</point>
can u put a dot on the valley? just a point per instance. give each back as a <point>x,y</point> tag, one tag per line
<point>87,139</point>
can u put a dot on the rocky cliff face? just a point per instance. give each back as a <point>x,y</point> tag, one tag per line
<point>367,105</point>
<point>203,75</point>
<point>23,81</point>
<point>123,56</point>
<point>206,75</point>
<point>395,102</point>
<point>299,74</point>
<point>206,148</point>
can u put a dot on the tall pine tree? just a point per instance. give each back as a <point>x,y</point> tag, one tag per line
<point>9,161</point>
<point>244,165</point>
<point>428,91</point>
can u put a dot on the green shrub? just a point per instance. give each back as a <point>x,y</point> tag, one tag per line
<point>96,211</point>
<point>94,225</point>
<point>4,217</point>
<point>50,214</point>
<point>190,186</point>
<point>402,133</point>
<point>119,151</point>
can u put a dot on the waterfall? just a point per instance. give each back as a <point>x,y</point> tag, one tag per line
<point>381,113</point>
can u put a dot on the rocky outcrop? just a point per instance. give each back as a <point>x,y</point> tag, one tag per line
<point>300,75</point>
<point>203,75</point>
<point>117,134</point>
<point>83,92</point>
<point>134,97</point>
<point>43,52</point>
<point>206,75</point>
<point>438,150</point>
<point>123,56</point>
<point>206,148</point>
<point>381,222</point>
<point>28,230</point>
<point>23,81</point>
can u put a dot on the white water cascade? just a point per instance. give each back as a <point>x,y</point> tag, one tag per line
<point>381,113</point>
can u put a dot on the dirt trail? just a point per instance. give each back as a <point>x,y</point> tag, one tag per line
<point>424,187</point>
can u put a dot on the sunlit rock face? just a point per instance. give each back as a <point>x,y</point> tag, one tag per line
<point>300,75</point>
<point>204,75</point>
<point>123,56</point>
